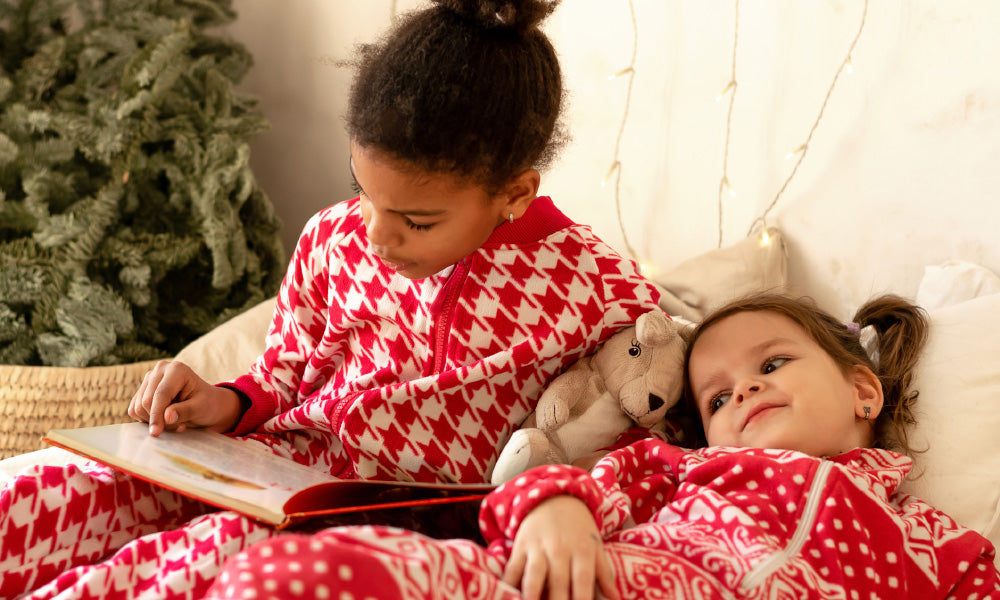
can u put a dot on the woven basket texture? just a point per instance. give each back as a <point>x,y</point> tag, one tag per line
<point>34,400</point>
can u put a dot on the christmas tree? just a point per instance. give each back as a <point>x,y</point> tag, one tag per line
<point>130,221</point>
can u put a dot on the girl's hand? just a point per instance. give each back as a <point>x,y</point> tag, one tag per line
<point>172,396</point>
<point>558,548</point>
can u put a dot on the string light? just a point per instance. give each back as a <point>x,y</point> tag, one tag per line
<point>724,185</point>
<point>762,219</point>
<point>730,87</point>
<point>615,169</point>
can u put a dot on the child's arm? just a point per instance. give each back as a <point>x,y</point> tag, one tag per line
<point>300,316</point>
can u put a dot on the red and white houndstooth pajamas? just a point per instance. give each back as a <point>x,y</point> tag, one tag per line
<point>365,374</point>
<point>712,523</point>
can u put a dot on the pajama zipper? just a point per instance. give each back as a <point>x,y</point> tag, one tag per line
<point>443,326</point>
<point>775,561</point>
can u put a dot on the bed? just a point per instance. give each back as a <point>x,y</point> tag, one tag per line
<point>958,415</point>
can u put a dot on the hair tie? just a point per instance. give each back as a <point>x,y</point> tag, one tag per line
<point>868,338</point>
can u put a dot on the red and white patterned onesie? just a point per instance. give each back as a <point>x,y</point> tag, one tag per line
<point>365,373</point>
<point>712,523</point>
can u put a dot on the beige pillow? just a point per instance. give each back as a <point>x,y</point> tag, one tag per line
<point>696,286</point>
<point>226,352</point>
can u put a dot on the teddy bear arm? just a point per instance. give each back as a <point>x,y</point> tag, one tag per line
<point>567,396</point>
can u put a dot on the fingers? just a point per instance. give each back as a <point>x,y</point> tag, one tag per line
<point>561,572</point>
<point>154,402</point>
<point>606,576</point>
<point>536,572</point>
<point>141,401</point>
<point>170,387</point>
<point>583,573</point>
<point>135,409</point>
<point>514,570</point>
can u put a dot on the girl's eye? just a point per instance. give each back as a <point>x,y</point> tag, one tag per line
<point>356,188</point>
<point>417,226</point>
<point>771,364</point>
<point>717,401</point>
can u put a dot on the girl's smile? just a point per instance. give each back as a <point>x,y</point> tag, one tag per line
<point>762,410</point>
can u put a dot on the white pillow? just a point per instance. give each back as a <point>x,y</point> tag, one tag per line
<point>955,281</point>
<point>958,416</point>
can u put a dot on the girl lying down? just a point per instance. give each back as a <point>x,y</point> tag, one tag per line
<point>795,496</point>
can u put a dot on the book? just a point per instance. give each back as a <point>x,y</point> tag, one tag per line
<point>245,476</point>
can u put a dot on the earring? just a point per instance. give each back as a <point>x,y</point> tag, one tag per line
<point>511,218</point>
<point>868,412</point>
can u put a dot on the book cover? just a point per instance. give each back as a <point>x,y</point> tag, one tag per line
<point>245,476</point>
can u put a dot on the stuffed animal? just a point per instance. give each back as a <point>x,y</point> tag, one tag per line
<point>634,378</point>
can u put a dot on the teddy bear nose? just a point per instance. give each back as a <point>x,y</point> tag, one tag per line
<point>655,402</point>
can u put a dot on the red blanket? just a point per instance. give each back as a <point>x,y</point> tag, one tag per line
<point>715,523</point>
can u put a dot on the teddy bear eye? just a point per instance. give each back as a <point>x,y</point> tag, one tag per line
<point>635,350</point>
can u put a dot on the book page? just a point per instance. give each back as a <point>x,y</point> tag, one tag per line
<point>197,459</point>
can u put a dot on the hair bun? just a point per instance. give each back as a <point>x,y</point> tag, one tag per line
<point>519,15</point>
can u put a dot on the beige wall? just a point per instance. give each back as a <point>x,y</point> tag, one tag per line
<point>901,172</point>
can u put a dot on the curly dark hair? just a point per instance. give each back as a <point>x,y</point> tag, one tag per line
<point>902,329</point>
<point>467,87</point>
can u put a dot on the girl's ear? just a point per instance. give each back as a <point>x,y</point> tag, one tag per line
<point>519,193</point>
<point>867,393</point>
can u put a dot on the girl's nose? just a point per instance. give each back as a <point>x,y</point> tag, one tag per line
<point>746,389</point>
<point>380,231</point>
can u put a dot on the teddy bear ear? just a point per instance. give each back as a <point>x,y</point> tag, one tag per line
<point>655,328</point>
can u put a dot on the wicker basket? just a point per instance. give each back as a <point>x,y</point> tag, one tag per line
<point>36,399</point>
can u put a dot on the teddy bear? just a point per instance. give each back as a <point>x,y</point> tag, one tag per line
<point>634,378</point>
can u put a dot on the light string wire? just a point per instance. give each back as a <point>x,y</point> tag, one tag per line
<point>801,150</point>
<point>616,165</point>
<point>730,87</point>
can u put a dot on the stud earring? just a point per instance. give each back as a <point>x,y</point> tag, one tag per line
<point>511,218</point>
<point>868,412</point>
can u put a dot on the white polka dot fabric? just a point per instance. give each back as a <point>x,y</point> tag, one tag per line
<point>714,523</point>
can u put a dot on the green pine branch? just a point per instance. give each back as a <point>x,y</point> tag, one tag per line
<point>130,221</point>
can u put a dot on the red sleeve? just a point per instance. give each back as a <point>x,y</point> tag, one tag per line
<point>628,486</point>
<point>300,315</point>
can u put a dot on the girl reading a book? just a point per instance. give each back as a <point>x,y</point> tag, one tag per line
<point>415,327</point>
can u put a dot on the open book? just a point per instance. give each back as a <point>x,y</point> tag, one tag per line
<point>244,476</point>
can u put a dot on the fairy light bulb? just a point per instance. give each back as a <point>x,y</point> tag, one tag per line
<point>611,172</point>
<point>722,94</point>
<point>849,66</point>
<point>621,73</point>
<point>729,188</point>
<point>765,238</point>
<point>798,150</point>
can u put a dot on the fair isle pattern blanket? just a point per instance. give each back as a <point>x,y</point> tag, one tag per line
<point>365,374</point>
<point>714,523</point>
<point>369,374</point>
